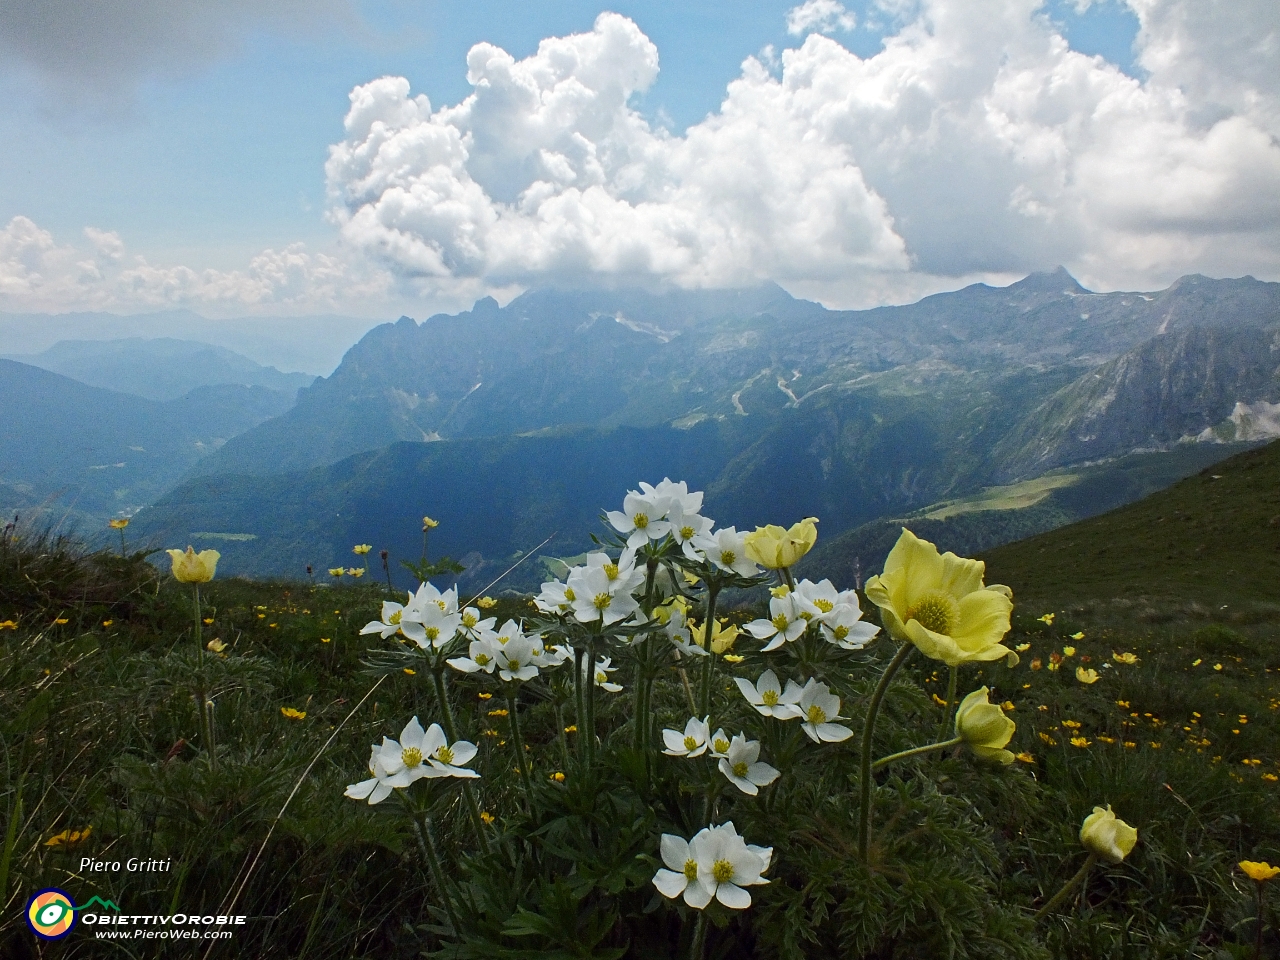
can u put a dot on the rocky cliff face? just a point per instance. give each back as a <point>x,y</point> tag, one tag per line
<point>1171,387</point>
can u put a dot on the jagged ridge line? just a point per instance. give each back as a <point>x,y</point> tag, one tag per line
<point>106,904</point>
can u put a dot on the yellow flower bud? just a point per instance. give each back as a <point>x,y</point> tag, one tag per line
<point>428,523</point>
<point>773,547</point>
<point>984,727</point>
<point>1106,835</point>
<point>192,567</point>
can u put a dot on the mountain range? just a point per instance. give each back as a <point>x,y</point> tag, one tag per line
<point>512,423</point>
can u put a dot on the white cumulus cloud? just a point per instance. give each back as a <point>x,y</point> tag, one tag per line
<point>39,274</point>
<point>977,142</point>
<point>824,16</point>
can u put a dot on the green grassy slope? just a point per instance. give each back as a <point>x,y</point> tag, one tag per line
<point>1213,538</point>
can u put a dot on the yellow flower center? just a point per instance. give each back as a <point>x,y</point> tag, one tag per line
<point>611,571</point>
<point>686,532</point>
<point>469,619</point>
<point>817,714</point>
<point>770,698</point>
<point>824,605</point>
<point>482,659</point>
<point>806,616</point>
<point>641,521</point>
<point>691,870</point>
<point>722,871</point>
<point>937,612</point>
<point>568,594</point>
<point>780,622</point>
<point>602,601</point>
<point>727,557</point>
<point>740,769</point>
<point>841,632</point>
<point>395,617</point>
<point>691,743</point>
<point>433,633</point>
<point>444,755</point>
<point>721,745</point>
<point>411,757</point>
<point>444,607</point>
<point>513,664</point>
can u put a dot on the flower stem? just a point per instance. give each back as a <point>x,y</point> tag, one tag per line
<point>699,945</point>
<point>951,702</point>
<point>517,741</point>
<point>915,751</point>
<point>1056,900</point>
<point>451,731</point>
<point>1257,941</point>
<point>868,734</point>
<point>563,737</point>
<point>708,631</point>
<point>787,578</point>
<point>590,681</point>
<point>427,845</point>
<point>579,704</point>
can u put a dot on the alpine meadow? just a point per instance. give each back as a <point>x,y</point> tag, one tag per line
<point>820,497</point>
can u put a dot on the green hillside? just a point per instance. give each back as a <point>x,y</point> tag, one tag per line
<point>1213,538</point>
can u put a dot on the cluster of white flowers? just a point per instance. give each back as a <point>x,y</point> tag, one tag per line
<point>419,754</point>
<point>836,612</point>
<point>814,703</point>
<point>430,619</point>
<point>716,863</point>
<point>509,651</point>
<point>738,759</point>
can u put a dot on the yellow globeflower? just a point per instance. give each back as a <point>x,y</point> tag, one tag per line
<point>1259,871</point>
<point>292,714</point>
<point>118,524</point>
<point>773,547</point>
<point>984,727</point>
<point>939,603</point>
<point>360,549</point>
<point>722,636</point>
<point>192,567</point>
<point>1086,676</point>
<point>428,523</point>
<point>1106,835</point>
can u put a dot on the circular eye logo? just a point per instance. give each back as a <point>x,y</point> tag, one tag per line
<point>51,914</point>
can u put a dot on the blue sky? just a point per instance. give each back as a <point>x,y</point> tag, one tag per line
<point>203,144</point>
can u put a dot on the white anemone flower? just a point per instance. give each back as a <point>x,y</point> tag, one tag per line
<point>845,627</point>
<point>596,597</point>
<point>727,550</point>
<point>767,696</point>
<point>677,629</point>
<point>390,623</point>
<point>719,743</point>
<point>726,864</point>
<point>602,676</point>
<point>376,789</point>
<point>472,625</point>
<point>682,877</point>
<point>405,760</point>
<point>788,622</point>
<point>818,708</point>
<point>670,494</point>
<point>642,518</point>
<point>743,767</point>
<point>482,655</point>
<point>692,743</point>
<point>687,529</point>
<point>622,573</point>
<point>556,597</point>
<point>516,659</point>
<point>445,759</point>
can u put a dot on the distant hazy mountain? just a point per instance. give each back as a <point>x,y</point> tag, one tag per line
<point>70,448</point>
<point>610,358</point>
<point>161,369</point>
<point>312,343</point>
